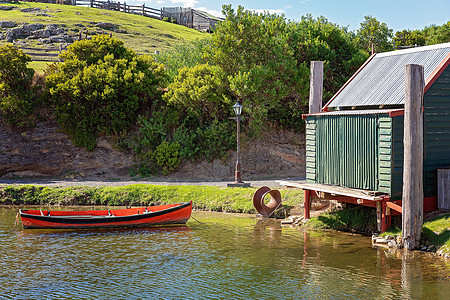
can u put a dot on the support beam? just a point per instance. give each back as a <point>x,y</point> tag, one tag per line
<point>379,214</point>
<point>316,87</point>
<point>412,199</point>
<point>307,204</point>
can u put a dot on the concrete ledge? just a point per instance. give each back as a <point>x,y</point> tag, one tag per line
<point>239,184</point>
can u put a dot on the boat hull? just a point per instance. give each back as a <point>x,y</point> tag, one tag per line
<point>131,217</point>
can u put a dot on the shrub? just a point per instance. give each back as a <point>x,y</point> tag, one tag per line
<point>167,157</point>
<point>100,87</point>
<point>201,90</point>
<point>17,96</point>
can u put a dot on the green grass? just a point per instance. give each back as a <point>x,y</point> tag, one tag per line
<point>144,35</point>
<point>204,197</point>
<point>358,218</point>
<point>437,232</point>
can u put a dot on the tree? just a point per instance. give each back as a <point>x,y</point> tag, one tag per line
<point>437,34</point>
<point>409,38</point>
<point>100,87</point>
<point>17,96</point>
<point>253,52</point>
<point>201,90</point>
<point>372,32</point>
<point>318,39</point>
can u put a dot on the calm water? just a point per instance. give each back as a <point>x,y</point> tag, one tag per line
<point>224,257</point>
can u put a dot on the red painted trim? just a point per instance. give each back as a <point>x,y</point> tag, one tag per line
<point>325,108</point>
<point>394,206</point>
<point>429,204</point>
<point>396,113</point>
<point>437,72</point>
<point>307,204</point>
<point>383,216</point>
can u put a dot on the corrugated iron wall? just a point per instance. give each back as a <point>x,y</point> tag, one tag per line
<point>436,131</point>
<point>347,151</point>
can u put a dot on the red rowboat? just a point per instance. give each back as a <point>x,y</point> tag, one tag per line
<point>130,217</point>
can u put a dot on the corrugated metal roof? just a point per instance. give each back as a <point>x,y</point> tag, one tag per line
<point>382,80</point>
<point>354,112</point>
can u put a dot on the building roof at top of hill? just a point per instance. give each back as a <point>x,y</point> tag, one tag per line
<point>381,80</point>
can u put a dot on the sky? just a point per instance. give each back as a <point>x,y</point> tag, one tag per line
<point>397,14</point>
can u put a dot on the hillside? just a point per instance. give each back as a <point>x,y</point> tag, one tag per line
<point>143,34</point>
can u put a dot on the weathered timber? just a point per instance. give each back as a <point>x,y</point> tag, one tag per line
<point>316,87</point>
<point>412,204</point>
<point>443,178</point>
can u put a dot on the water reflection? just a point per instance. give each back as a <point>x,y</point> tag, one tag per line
<point>226,256</point>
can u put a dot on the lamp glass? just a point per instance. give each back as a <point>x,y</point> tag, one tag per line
<point>237,108</point>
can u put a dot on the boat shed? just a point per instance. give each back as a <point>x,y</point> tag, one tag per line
<point>354,146</point>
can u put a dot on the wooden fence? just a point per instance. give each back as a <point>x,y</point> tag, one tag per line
<point>44,54</point>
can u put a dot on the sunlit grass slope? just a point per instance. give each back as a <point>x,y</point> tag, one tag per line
<point>143,34</point>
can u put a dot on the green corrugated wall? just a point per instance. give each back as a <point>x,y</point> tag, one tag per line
<point>436,131</point>
<point>347,151</point>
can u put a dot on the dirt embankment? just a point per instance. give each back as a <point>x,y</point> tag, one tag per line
<point>45,152</point>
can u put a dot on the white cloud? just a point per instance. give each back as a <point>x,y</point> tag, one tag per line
<point>213,12</point>
<point>160,1</point>
<point>271,11</point>
<point>185,3</point>
<point>305,1</point>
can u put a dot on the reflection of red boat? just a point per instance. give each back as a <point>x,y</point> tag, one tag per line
<point>130,217</point>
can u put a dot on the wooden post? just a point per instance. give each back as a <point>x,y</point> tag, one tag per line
<point>307,204</point>
<point>316,87</point>
<point>379,216</point>
<point>412,199</point>
<point>92,3</point>
<point>143,9</point>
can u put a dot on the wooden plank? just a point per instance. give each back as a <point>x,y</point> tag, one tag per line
<point>443,179</point>
<point>337,190</point>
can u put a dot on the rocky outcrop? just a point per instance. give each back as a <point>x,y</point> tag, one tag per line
<point>52,33</point>
<point>7,24</point>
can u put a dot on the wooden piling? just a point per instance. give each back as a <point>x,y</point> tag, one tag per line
<point>412,199</point>
<point>316,87</point>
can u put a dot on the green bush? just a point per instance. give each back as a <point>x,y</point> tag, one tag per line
<point>201,90</point>
<point>166,156</point>
<point>17,96</point>
<point>100,87</point>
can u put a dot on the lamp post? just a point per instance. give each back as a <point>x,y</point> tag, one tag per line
<point>237,174</point>
<point>237,111</point>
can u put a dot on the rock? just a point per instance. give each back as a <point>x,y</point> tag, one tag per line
<point>391,244</point>
<point>398,239</point>
<point>77,13</point>
<point>23,31</point>
<point>424,248</point>
<point>33,27</point>
<point>7,24</point>
<point>44,15</point>
<point>7,7</point>
<point>79,25</point>
<point>42,33</point>
<point>389,237</point>
<point>381,241</point>
<point>286,222</point>
<point>106,25</point>
<point>30,9</point>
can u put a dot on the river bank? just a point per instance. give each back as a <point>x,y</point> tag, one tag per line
<point>436,234</point>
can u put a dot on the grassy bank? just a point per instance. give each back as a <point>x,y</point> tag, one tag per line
<point>354,219</point>
<point>203,197</point>
<point>435,232</point>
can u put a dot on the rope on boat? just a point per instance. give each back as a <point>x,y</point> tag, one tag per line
<point>16,221</point>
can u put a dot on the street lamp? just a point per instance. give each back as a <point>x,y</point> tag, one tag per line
<point>237,174</point>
